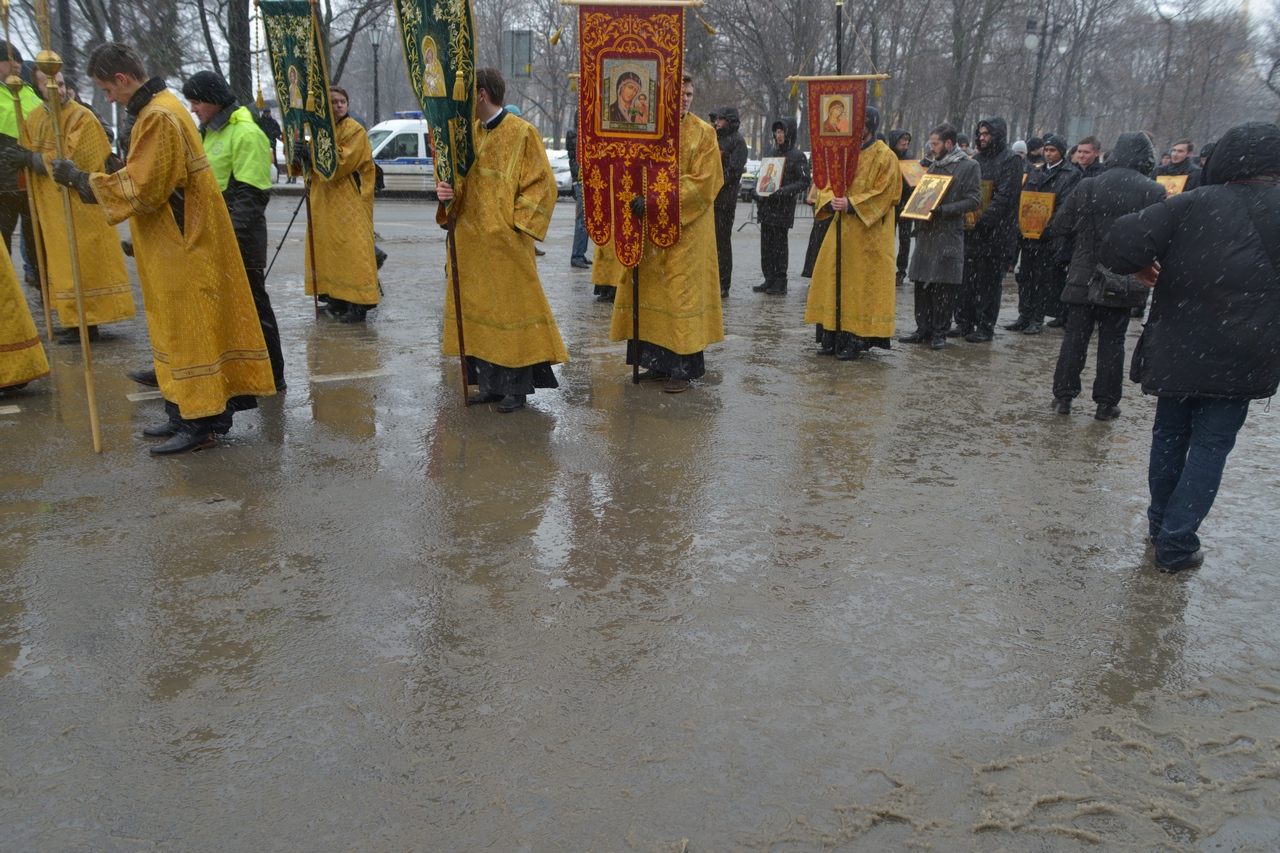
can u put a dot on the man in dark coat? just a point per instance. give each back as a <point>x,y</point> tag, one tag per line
<point>1044,271</point>
<point>777,212</point>
<point>1088,214</point>
<point>1089,157</point>
<point>271,128</point>
<point>990,245</point>
<point>900,142</point>
<point>578,252</point>
<point>937,266</point>
<point>733,162</point>
<point>1212,342</point>
<point>1180,163</point>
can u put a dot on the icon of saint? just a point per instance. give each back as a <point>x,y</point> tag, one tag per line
<point>432,73</point>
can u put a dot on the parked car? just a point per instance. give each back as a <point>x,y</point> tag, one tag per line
<point>559,158</point>
<point>402,149</point>
<point>747,185</point>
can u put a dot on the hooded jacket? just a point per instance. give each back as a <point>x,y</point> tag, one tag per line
<point>995,235</point>
<point>1096,204</point>
<point>939,254</point>
<point>733,154</point>
<point>1214,326</point>
<point>894,136</point>
<point>780,207</point>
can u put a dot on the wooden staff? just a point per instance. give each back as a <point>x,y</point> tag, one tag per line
<point>51,64</point>
<point>14,82</point>
<point>635,313</point>
<point>451,224</point>
<point>839,243</point>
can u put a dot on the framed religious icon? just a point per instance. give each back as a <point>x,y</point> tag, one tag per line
<point>629,94</point>
<point>912,171</point>
<point>984,199</point>
<point>835,116</point>
<point>1173,184</point>
<point>769,178</point>
<point>1034,212</point>
<point>926,197</point>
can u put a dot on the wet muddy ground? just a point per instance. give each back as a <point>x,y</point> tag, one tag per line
<point>890,604</point>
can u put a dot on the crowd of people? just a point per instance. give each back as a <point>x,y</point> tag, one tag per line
<point>1205,242</point>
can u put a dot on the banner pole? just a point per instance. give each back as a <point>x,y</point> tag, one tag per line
<point>452,222</point>
<point>839,242</point>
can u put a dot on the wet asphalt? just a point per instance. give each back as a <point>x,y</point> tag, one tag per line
<point>897,603</point>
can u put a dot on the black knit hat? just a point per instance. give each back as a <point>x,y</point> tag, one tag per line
<point>208,86</point>
<point>1035,143</point>
<point>1058,141</point>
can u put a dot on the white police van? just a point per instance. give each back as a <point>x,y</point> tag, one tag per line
<point>402,150</point>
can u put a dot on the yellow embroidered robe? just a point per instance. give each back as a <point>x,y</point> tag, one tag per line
<point>680,287</point>
<point>108,295</point>
<point>341,232</point>
<point>504,206</point>
<point>206,339</point>
<point>606,271</point>
<point>868,251</point>
<point>22,357</point>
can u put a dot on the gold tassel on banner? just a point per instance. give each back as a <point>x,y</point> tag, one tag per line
<point>795,91</point>
<point>878,91</point>
<point>459,88</point>
<point>555,39</point>
<point>258,102</point>
<point>710,29</point>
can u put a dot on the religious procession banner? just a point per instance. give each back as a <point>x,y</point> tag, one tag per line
<point>837,112</point>
<point>1034,212</point>
<point>302,80</point>
<point>439,41</point>
<point>631,65</point>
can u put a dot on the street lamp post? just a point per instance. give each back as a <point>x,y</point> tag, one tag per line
<point>1037,42</point>
<point>375,39</point>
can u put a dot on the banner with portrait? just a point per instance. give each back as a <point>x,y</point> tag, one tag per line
<point>837,113</point>
<point>440,57</point>
<point>630,67</point>
<point>302,80</point>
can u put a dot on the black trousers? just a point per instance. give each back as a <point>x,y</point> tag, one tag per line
<point>220,424</point>
<point>1039,295</point>
<point>14,208</point>
<point>978,302</point>
<point>934,303</point>
<point>1025,277</point>
<point>496,379</point>
<point>774,254</point>
<point>1112,324</point>
<point>724,232</point>
<point>904,245</point>
<point>659,359</point>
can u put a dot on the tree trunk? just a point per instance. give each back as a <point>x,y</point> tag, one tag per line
<point>239,51</point>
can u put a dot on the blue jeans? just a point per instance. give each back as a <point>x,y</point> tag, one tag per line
<point>579,252</point>
<point>1190,440</point>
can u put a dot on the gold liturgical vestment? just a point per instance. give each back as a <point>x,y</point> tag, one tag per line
<point>205,336</point>
<point>342,231</point>
<point>606,271</point>
<point>680,286</point>
<point>868,251</point>
<point>108,296</point>
<point>22,357</point>
<point>504,206</point>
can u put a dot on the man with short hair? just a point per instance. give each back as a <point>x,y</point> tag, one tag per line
<point>991,242</point>
<point>777,212</point>
<point>937,267</point>
<point>1043,272</point>
<point>1089,157</point>
<point>345,275</point>
<point>733,163</point>
<point>866,284</point>
<point>680,312</point>
<point>210,357</point>
<point>1180,163</point>
<point>503,206</point>
<point>963,142</point>
<point>238,151</point>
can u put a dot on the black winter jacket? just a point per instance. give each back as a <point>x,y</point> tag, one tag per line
<point>1060,181</point>
<point>1214,327</point>
<point>1097,203</point>
<point>733,154</point>
<point>780,207</point>
<point>1183,168</point>
<point>996,233</point>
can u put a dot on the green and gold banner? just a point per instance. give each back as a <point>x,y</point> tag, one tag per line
<point>439,43</point>
<point>302,79</point>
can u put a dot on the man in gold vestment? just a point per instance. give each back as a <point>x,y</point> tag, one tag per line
<point>680,310</point>
<point>22,357</point>
<point>868,259</point>
<point>104,280</point>
<point>207,344</point>
<point>341,227</point>
<point>504,205</point>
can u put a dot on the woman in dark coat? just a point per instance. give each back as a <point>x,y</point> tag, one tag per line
<point>1212,342</point>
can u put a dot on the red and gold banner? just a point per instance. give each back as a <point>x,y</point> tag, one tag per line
<point>837,112</point>
<point>630,69</point>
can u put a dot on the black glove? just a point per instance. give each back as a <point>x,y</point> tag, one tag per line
<point>637,207</point>
<point>66,173</point>
<point>302,154</point>
<point>126,246</point>
<point>17,157</point>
